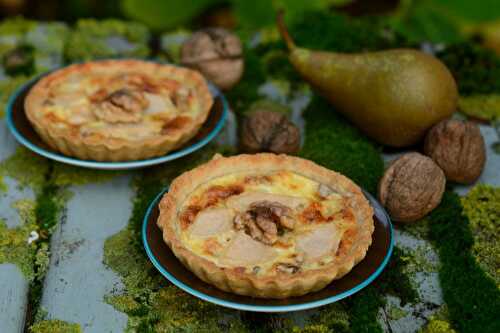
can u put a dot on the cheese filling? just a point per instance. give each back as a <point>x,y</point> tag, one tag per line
<point>278,223</point>
<point>129,106</point>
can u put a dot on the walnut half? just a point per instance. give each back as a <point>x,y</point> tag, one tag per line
<point>264,220</point>
<point>123,105</point>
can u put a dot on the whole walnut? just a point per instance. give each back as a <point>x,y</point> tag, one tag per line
<point>411,187</point>
<point>217,54</point>
<point>271,131</point>
<point>458,148</point>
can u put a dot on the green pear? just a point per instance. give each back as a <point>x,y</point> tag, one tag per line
<point>393,96</point>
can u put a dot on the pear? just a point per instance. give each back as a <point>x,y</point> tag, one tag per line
<point>393,96</point>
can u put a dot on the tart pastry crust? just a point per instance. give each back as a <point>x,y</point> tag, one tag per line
<point>266,225</point>
<point>118,110</point>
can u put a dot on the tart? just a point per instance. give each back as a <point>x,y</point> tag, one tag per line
<point>118,110</point>
<point>266,225</point>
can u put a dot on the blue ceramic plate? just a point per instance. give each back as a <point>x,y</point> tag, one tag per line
<point>359,277</point>
<point>27,136</point>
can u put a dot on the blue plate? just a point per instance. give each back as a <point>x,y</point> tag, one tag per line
<point>24,133</point>
<point>359,277</point>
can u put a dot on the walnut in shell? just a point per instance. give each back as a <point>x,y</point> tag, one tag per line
<point>269,131</point>
<point>217,54</point>
<point>411,187</point>
<point>458,148</point>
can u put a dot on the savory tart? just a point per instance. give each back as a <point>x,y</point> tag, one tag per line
<point>266,225</point>
<point>118,110</point>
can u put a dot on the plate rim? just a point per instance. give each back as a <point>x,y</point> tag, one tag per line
<point>110,165</point>
<point>262,308</point>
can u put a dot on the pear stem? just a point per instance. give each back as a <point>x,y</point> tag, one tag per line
<point>284,31</point>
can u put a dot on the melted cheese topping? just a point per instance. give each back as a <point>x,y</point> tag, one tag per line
<point>124,105</point>
<point>320,222</point>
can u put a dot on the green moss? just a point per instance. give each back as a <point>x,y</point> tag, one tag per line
<point>45,40</point>
<point>438,326</point>
<point>332,142</point>
<point>50,200</point>
<point>12,32</point>
<point>14,247</point>
<point>476,70</point>
<point>180,311</point>
<point>416,260</point>
<point>337,32</point>
<point>26,167</point>
<point>264,104</point>
<point>330,318</point>
<point>438,322</point>
<point>485,107</point>
<point>123,256</point>
<point>395,312</point>
<point>3,187</point>
<point>472,297</point>
<point>48,40</point>
<point>171,42</point>
<point>364,306</point>
<point>55,326</point>
<point>65,174</point>
<point>419,229</point>
<point>245,92</point>
<point>107,39</point>
<point>482,207</point>
<point>15,26</point>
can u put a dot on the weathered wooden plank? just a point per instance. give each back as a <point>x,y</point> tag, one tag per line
<point>13,284</point>
<point>77,280</point>
<point>13,292</point>
<point>411,317</point>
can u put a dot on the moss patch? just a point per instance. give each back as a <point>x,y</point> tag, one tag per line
<point>55,326</point>
<point>107,39</point>
<point>365,305</point>
<point>416,260</point>
<point>333,317</point>
<point>3,186</point>
<point>482,207</point>
<point>14,247</point>
<point>337,32</point>
<point>332,142</point>
<point>26,167</point>
<point>484,107</point>
<point>476,69</point>
<point>245,92</point>
<point>65,174</point>
<point>472,297</point>
<point>438,322</point>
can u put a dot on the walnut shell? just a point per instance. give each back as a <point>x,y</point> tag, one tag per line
<point>217,54</point>
<point>411,187</point>
<point>269,131</point>
<point>458,148</point>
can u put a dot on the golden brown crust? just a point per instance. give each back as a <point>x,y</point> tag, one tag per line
<point>353,249</point>
<point>69,142</point>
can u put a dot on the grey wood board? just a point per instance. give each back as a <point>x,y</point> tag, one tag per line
<point>77,280</point>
